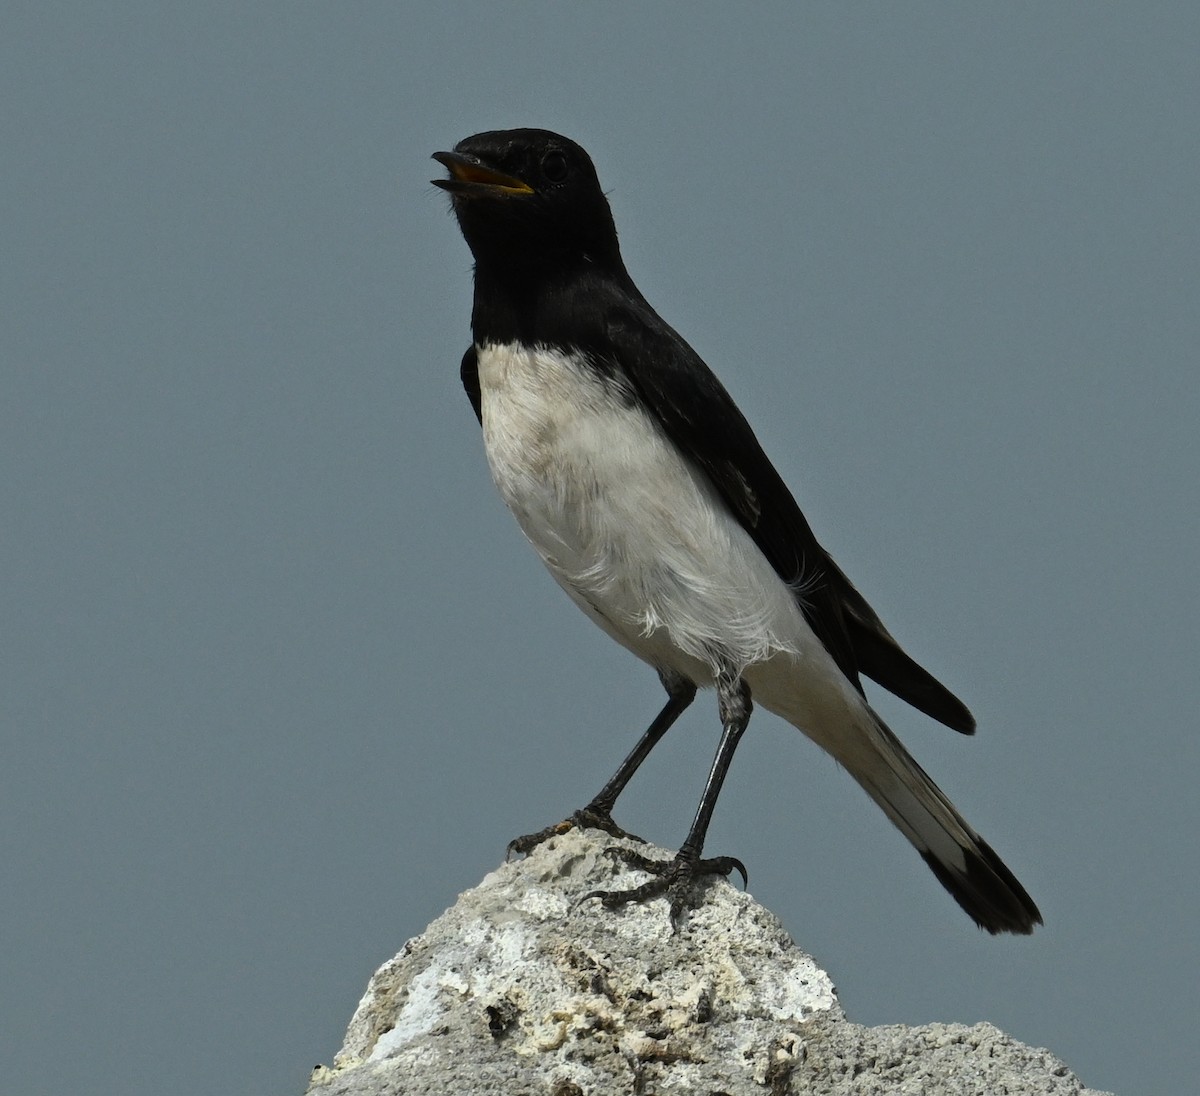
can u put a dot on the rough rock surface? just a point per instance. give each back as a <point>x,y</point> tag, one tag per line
<point>514,991</point>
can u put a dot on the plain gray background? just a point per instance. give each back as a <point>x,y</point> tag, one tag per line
<point>280,677</point>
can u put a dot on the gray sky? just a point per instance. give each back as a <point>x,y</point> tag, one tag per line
<point>280,677</point>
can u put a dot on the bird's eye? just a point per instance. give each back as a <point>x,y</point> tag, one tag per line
<point>554,166</point>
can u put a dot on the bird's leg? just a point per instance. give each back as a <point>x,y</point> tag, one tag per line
<point>597,815</point>
<point>675,878</point>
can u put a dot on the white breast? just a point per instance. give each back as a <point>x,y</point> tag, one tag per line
<point>634,533</point>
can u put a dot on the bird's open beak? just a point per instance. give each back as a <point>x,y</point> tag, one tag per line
<point>469,178</point>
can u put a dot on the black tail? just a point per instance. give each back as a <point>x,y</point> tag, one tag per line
<point>964,863</point>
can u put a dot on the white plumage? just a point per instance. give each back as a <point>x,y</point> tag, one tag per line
<point>625,523</point>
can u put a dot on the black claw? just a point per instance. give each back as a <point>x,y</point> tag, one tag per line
<point>612,900</point>
<point>527,842</point>
<point>595,818</point>
<point>588,818</point>
<point>634,859</point>
<point>674,879</point>
<point>734,864</point>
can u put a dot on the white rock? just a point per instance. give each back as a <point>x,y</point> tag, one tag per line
<point>516,989</point>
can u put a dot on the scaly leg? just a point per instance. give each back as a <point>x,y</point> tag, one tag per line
<point>597,815</point>
<point>675,878</point>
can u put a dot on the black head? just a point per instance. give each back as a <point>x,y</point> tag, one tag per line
<point>526,197</point>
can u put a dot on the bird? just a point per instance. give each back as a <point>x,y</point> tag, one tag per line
<point>646,494</point>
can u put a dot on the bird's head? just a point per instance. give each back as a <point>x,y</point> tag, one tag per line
<point>528,196</point>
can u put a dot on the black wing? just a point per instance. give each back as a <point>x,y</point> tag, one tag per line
<point>701,418</point>
<point>469,372</point>
<point>881,658</point>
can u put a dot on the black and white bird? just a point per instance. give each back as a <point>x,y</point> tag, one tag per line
<point>647,496</point>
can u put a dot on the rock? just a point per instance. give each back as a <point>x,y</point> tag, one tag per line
<point>516,990</point>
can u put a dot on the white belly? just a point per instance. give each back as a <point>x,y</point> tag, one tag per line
<point>637,536</point>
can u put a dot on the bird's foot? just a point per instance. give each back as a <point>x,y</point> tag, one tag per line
<point>676,880</point>
<point>587,818</point>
